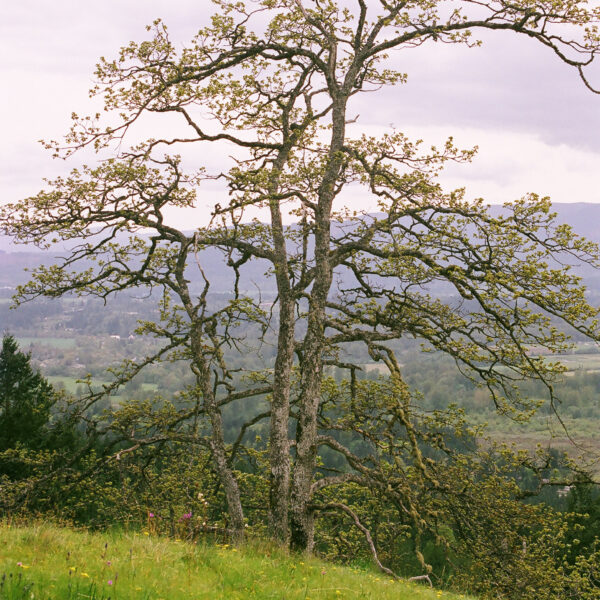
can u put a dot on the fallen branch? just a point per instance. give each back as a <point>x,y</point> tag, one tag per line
<point>359,525</point>
<point>420,578</point>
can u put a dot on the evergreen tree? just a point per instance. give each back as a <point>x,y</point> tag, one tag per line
<point>26,398</point>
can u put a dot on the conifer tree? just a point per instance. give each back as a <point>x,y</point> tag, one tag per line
<point>26,398</point>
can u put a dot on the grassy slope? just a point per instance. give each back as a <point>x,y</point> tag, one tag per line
<point>61,564</point>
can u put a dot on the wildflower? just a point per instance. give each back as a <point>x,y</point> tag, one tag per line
<point>84,574</point>
<point>72,569</point>
<point>110,582</point>
<point>19,564</point>
<point>151,515</point>
<point>185,516</point>
<point>323,572</point>
<point>108,563</point>
<point>146,533</point>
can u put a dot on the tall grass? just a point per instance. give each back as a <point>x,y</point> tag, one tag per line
<point>45,562</point>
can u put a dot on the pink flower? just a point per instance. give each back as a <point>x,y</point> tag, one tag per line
<point>151,515</point>
<point>19,564</point>
<point>110,582</point>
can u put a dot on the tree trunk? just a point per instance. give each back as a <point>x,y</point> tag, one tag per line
<point>226,476</point>
<point>201,369</point>
<point>279,447</point>
<point>219,453</point>
<point>302,521</point>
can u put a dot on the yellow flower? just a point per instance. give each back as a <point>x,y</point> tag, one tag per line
<point>146,533</point>
<point>84,574</point>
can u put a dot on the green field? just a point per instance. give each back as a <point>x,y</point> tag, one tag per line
<point>583,362</point>
<point>50,563</point>
<point>72,383</point>
<point>53,342</point>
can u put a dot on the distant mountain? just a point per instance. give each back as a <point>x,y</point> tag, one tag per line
<point>583,217</point>
<point>14,259</point>
<point>13,265</point>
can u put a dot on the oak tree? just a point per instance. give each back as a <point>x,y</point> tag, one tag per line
<point>273,82</point>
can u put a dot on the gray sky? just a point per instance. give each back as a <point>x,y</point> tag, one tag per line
<point>537,127</point>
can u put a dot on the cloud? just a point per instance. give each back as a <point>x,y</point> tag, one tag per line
<point>508,83</point>
<point>536,124</point>
<point>510,164</point>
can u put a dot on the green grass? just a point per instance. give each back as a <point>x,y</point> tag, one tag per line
<point>63,564</point>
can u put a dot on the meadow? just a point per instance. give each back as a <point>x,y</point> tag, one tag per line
<point>46,562</point>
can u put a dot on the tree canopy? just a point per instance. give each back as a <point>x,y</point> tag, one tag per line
<point>273,81</point>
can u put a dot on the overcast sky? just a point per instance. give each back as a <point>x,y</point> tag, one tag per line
<point>537,127</point>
